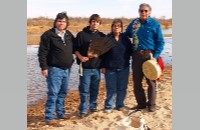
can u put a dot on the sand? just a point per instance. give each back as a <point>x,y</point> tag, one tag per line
<point>161,119</point>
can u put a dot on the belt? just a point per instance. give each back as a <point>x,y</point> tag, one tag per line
<point>143,51</point>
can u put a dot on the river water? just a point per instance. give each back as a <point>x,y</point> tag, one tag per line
<point>36,84</point>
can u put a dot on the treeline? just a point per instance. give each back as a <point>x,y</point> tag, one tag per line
<point>37,26</point>
<point>82,21</point>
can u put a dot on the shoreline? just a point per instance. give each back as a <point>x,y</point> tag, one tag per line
<point>161,119</point>
<point>33,39</point>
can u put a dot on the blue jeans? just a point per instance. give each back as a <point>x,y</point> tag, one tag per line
<point>88,89</point>
<point>57,82</point>
<point>116,85</point>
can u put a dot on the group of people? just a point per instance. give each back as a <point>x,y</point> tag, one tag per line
<point>58,45</point>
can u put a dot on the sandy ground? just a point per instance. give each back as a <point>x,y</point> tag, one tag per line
<point>161,119</point>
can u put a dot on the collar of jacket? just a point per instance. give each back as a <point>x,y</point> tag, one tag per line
<point>87,29</point>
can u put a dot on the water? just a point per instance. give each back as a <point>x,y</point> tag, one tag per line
<point>167,52</point>
<point>167,31</point>
<point>36,84</point>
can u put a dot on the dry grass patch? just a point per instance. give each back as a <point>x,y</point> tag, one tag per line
<point>37,26</point>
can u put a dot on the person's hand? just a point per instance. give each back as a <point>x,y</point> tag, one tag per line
<point>154,59</point>
<point>103,70</point>
<point>83,59</point>
<point>45,73</point>
<point>90,56</point>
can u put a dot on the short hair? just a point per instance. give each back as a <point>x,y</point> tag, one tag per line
<point>95,17</point>
<point>117,21</point>
<point>145,4</point>
<point>61,16</point>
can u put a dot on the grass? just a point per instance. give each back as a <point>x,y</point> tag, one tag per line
<point>37,26</point>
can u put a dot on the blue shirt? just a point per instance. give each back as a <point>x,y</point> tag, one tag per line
<point>146,36</point>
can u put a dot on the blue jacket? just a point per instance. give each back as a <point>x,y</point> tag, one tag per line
<point>119,55</point>
<point>146,36</point>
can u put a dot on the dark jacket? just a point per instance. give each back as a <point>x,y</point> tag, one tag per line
<point>82,42</point>
<point>54,52</point>
<point>118,57</point>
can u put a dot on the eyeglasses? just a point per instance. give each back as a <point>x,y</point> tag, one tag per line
<point>119,26</point>
<point>141,11</point>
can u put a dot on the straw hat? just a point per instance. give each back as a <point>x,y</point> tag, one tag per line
<point>151,69</point>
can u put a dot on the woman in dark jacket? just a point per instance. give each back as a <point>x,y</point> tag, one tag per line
<point>115,66</point>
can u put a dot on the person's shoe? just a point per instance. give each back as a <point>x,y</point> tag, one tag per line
<point>82,115</point>
<point>138,107</point>
<point>121,109</point>
<point>93,110</point>
<point>66,117</point>
<point>152,108</point>
<point>54,123</point>
<point>108,111</point>
<point>51,122</point>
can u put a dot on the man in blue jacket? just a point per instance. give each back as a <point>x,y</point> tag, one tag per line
<point>147,39</point>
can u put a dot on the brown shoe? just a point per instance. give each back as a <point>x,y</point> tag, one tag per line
<point>54,123</point>
<point>66,117</point>
<point>152,108</point>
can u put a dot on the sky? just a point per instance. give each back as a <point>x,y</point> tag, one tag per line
<point>105,8</point>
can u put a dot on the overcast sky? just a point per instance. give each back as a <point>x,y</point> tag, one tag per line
<point>105,8</point>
